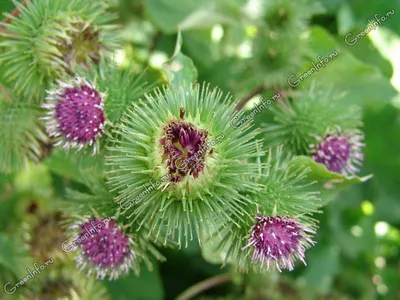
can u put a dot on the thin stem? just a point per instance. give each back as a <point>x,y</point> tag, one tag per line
<point>155,41</point>
<point>242,102</point>
<point>204,285</point>
<point>6,96</point>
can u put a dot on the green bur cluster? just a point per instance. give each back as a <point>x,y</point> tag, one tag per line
<point>49,39</point>
<point>280,45</point>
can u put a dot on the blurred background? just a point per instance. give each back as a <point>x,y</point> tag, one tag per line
<point>358,243</point>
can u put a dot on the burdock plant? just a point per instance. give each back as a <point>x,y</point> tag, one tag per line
<point>170,167</point>
<point>178,164</point>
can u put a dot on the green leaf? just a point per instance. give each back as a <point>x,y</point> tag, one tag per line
<point>169,15</point>
<point>357,82</point>
<point>366,12</point>
<point>382,136</point>
<point>147,286</point>
<point>323,265</point>
<point>213,12</point>
<point>180,68</point>
<point>367,52</point>
<point>329,183</point>
<point>345,18</point>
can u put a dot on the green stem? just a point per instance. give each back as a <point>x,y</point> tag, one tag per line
<point>258,90</point>
<point>204,285</point>
<point>5,94</point>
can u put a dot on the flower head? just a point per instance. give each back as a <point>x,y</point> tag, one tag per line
<point>76,115</point>
<point>281,239</point>
<point>179,162</point>
<point>182,144</point>
<point>339,151</point>
<point>105,248</point>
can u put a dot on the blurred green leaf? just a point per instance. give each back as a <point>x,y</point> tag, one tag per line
<point>365,51</point>
<point>323,265</point>
<point>147,286</point>
<point>357,82</point>
<point>169,15</point>
<point>179,68</point>
<point>366,12</point>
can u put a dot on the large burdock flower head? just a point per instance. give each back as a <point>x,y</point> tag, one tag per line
<point>105,249</point>
<point>339,151</point>
<point>179,162</point>
<point>75,115</point>
<point>280,240</point>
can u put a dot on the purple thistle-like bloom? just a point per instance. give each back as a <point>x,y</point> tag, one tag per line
<point>76,115</point>
<point>280,239</point>
<point>184,146</point>
<point>105,248</point>
<point>340,151</point>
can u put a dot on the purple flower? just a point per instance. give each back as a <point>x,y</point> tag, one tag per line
<point>76,115</point>
<point>280,239</point>
<point>340,151</point>
<point>105,248</point>
<point>185,147</point>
